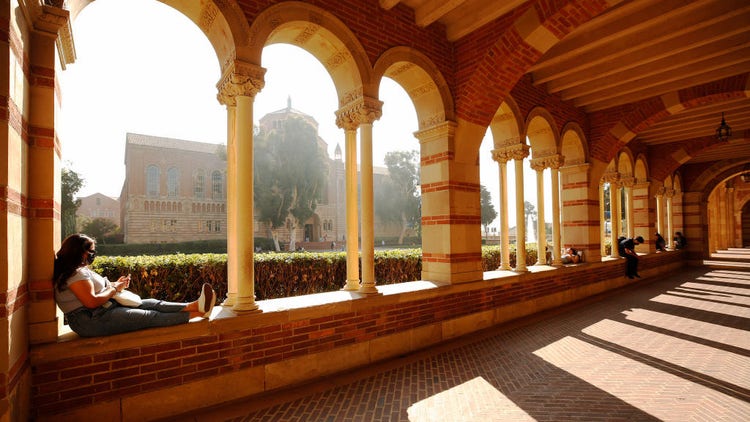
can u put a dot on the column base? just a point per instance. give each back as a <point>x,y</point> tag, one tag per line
<point>230,300</point>
<point>369,290</point>
<point>351,285</point>
<point>521,270</point>
<point>245,305</point>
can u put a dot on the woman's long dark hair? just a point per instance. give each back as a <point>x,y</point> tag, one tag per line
<point>70,258</point>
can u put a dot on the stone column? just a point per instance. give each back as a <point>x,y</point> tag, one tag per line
<point>538,165</point>
<point>371,111</point>
<point>502,157</point>
<point>660,209</point>
<point>614,209</point>
<point>554,163</point>
<point>238,86</point>
<point>729,216</point>
<point>670,228</point>
<point>520,152</point>
<point>627,184</point>
<point>348,119</point>
<point>232,266</point>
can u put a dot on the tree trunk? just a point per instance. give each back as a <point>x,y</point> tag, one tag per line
<point>275,237</point>
<point>293,237</point>
<point>403,229</point>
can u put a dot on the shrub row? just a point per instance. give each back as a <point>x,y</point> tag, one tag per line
<point>178,277</point>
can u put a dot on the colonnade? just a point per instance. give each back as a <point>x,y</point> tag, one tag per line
<point>518,152</point>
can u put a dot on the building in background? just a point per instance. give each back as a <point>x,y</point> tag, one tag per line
<point>175,191</point>
<point>98,206</point>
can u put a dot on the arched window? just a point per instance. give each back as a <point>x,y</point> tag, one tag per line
<point>172,182</point>
<point>217,185</point>
<point>200,180</point>
<point>152,181</point>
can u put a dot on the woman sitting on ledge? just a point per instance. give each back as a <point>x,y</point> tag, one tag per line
<point>86,298</point>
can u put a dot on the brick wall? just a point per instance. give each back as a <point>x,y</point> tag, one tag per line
<point>68,380</point>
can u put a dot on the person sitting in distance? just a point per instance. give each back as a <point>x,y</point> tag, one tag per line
<point>680,241</point>
<point>661,244</point>
<point>571,256</point>
<point>86,298</point>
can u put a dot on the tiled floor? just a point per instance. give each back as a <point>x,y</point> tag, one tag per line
<point>675,349</point>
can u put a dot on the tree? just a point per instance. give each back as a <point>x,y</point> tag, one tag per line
<point>488,209</point>
<point>529,210</point>
<point>99,228</point>
<point>71,183</point>
<point>397,199</point>
<point>290,175</point>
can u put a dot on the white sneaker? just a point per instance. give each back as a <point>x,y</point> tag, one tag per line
<point>207,300</point>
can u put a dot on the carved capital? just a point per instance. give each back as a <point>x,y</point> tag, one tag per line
<point>501,155</point>
<point>669,192</point>
<point>240,79</point>
<point>538,164</point>
<point>660,191</point>
<point>611,177</point>
<point>627,181</point>
<point>360,110</point>
<point>519,152</point>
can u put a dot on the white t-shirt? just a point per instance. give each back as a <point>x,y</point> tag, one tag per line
<point>67,300</point>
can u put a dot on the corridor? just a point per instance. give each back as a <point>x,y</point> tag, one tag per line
<point>671,349</point>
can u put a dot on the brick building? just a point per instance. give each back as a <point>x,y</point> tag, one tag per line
<point>99,206</point>
<point>175,191</point>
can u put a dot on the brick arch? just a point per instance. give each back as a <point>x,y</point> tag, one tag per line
<point>677,182</point>
<point>648,112</point>
<point>573,145</point>
<point>222,22</point>
<point>321,34</point>
<point>524,37</point>
<point>421,80</point>
<point>711,177</point>
<point>507,125</point>
<point>542,133</point>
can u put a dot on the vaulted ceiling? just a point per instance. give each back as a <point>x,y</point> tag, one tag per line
<point>637,49</point>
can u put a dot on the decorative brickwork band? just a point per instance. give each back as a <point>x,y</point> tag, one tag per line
<point>240,79</point>
<point>444,130</point>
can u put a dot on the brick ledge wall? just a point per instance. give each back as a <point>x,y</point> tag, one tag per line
<point>162,372</point>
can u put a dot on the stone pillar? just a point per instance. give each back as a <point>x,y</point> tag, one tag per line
<point>679,221</point>
<point>670,228</point>
<point>627,184</point>
<point>520,152</point>
<point>660,209</point>
<point>348,119</point>
<point>451,216</point>
<point>729,216</point>
<point>581,211</point>
<point>232,265</point>
<point>238,86</point>
<point>502,157</point>
<point>603,220</point>
<point>555,163</point>
<point>538,165</point>
<point>34,206</point>
<point>614,210</point>
<point>371,111</point>
<point>642,219</point>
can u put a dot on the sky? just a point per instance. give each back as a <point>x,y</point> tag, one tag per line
<point>158,77</point>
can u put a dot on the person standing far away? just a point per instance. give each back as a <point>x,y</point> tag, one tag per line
<point>627,247</point>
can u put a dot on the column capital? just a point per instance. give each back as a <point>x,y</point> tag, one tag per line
<point>501,155</point>
<point>627,181</point>
<point>518,151</point>
<point>611,177</point>
<point>240,79</point>
<point>446,129</point>
<point>660,191</point>
<point>669,192</point>
<point>538,164</point>
<point>360,110</point>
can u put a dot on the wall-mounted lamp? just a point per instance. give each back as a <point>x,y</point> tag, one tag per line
<point>723,132</point>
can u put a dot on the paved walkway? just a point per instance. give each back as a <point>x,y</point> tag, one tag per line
<point>676,349</point>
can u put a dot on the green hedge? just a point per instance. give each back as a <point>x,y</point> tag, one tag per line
<point>178,277</point>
